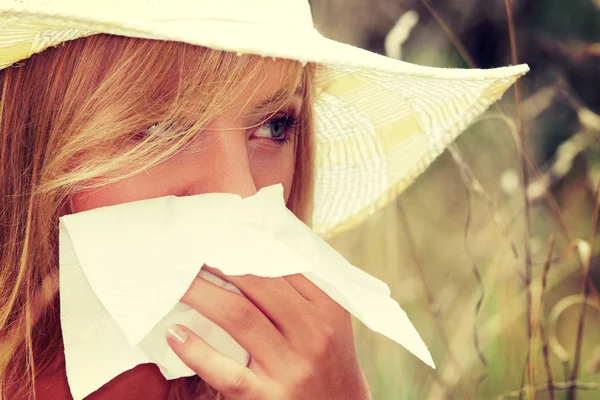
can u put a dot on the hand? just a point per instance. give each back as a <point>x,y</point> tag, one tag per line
<point>300,341</point>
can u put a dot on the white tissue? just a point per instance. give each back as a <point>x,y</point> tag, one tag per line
<point>124,268</point>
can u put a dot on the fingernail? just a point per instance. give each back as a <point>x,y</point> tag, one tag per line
<point>177,333</point>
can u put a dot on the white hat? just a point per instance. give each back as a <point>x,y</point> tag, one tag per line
<point>379,122</point>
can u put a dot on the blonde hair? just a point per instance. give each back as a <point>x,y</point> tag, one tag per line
<point>69,120</point>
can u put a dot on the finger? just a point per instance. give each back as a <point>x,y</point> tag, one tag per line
<point>297,319</point>
<point>241,319</point>
<point>304,286</point>
<point>219,371</point>
<point>327,308</point>
<point>308,289</point>
<point>276,298</point>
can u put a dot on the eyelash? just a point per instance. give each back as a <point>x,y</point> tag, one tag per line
<point>290,122</point>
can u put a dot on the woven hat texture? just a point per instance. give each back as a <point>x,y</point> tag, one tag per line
<point>379,122</point>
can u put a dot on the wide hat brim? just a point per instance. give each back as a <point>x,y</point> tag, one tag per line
<point>379,122</point>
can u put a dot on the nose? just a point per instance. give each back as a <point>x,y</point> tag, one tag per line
<point>222,165</point>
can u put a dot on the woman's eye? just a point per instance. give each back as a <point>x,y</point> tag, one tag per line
<point>151,130</point>
<point>277,129</point>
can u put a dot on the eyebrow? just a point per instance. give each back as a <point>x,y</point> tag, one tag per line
<point>278,97</point>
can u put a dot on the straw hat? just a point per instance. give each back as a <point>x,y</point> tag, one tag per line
<point>379,122</point>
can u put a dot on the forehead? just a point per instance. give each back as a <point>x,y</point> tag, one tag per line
<point>203,83</point>
<point>274,85</point>
<point>275,79</point>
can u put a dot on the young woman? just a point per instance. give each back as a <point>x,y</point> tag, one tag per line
<point>105,119</point>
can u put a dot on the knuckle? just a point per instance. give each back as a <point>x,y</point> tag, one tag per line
<point>322,343</point>
<point>303,374</point>
<point>236,385</point>
<point>326,337</point>
<point>242,315</point>
<point>327,333</point>
<point>281,391</point>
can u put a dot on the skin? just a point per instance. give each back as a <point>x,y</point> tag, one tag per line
<point>300,340</point>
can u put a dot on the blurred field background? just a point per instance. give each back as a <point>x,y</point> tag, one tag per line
<point>500,273</point>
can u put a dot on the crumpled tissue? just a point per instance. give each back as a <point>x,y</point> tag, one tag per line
<point>124,268</point>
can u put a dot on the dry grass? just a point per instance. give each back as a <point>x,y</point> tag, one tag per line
<point>495,275</point>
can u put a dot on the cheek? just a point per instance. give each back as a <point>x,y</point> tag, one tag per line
<point>94,198</point>
<point>139,187</point>
<point>269,170</point>
<point>108,195</point>
<point>194,174</point>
